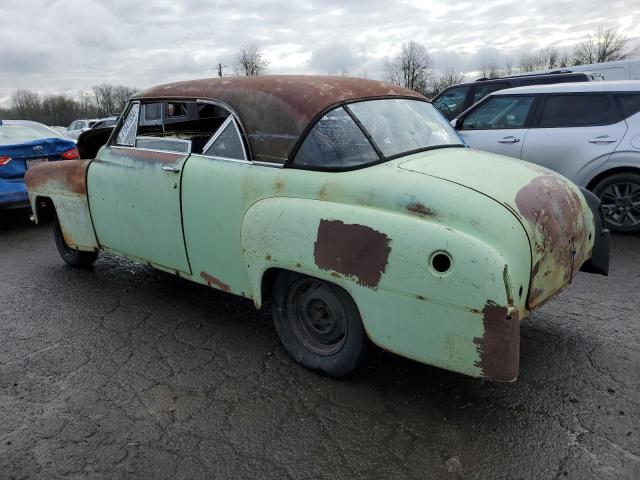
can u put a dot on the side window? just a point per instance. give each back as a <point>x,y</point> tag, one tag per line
<point>627,103</point>
<point>127,133</point>
<point>578,111</point>
<point>226,143</point>
<point>499,113</point>
<point>335,142</point>
<point>483,90</point>
<point>184,127</point>
<point>451,101</point>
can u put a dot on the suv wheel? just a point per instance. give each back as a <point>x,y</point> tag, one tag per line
<point>620,197</point>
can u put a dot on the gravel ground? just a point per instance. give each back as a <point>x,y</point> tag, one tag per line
<point>125,372</point>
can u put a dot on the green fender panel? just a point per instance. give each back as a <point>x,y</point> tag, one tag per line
<point>383,260</point>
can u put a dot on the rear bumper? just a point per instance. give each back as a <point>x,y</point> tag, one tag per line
<point>13,194</point>
<point>599,261</point>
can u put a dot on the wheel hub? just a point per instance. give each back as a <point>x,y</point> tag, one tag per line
<point>319,321</point>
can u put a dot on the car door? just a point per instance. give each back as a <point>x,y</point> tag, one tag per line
<point>134,195</point>
<point>498,124</point>
<point>574,132</point>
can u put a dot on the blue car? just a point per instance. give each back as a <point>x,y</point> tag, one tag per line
<point>22,144</point>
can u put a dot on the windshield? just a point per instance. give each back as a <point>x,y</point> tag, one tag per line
<point>365,133</point>
<point>11,134</point>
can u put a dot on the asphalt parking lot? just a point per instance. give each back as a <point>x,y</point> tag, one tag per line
<point>126,372</point>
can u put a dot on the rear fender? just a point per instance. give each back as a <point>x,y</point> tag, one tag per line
<point>454,320</point>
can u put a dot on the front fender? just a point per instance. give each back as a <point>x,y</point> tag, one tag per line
<point>382,258</point>
<point>65,184</point>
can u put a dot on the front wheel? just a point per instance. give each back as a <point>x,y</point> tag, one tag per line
<point>73,258</point>
<point>319,324</point>
<point>620,197</point>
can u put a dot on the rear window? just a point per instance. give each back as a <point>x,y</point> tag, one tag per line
<point>578,111</point>
<point>371,131</point>
<point>13,134</point>
<point>628,103</point>
<point>335,142</point>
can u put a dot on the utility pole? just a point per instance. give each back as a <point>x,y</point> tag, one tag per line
<point>220,67</point>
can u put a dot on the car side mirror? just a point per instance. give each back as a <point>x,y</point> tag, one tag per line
<point>456,123</point>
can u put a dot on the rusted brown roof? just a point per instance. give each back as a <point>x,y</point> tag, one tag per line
<point>275,109</point>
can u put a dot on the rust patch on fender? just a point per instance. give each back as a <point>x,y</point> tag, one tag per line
<point>214,282</point>
<point>420,209</point>
<point>560,243</point>
<point>66,176</point>
<point>352,249</point>
<point>499,347</point>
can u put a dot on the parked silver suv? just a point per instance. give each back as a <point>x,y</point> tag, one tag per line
<point>588,132</point>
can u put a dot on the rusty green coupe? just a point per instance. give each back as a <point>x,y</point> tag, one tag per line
<point>351,205</point>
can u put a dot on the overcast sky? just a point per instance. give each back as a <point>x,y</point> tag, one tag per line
<point>70,45</point>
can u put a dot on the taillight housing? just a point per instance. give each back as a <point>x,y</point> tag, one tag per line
<point>4,160</point>
<point>70,154</point>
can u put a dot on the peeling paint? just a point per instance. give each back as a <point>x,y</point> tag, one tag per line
<point>69,176</point>
<point>420,209</point>
<point>351,249</point>
<point>560,244</point>
<point>214,282</point>
<point>499,347</point>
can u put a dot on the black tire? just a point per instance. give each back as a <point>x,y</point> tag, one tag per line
<point>319,324</point>
<point>620,197</point>
<point>73,258</point>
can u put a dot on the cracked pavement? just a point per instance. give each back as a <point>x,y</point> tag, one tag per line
<point>126,372</point>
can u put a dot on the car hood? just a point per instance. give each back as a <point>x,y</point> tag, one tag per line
<point>552,210</point>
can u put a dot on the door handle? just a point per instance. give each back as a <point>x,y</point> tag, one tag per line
<point>509,139</point>
<point>603,139</point>
<point>168,168</point>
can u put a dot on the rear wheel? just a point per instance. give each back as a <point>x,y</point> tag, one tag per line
<point>319,324</point>
<point>74,258</point>
<point>620,197</point>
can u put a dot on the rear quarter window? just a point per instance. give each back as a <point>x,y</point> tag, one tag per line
<point>627,103</point>
<point>578,111</point>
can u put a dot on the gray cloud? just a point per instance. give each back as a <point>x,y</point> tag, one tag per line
<point>70,45</point>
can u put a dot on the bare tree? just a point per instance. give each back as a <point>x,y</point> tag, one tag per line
<point>26,104</point>
<point>250,61</point>
<point>58,110</point>
<point>122,94</point>
<point>411,68</point>
<point>111,99</point>
<point>508,66</point>
<point>605,44</point>
<point>542,59</point>
<point>489,68</point>
<point>447,77</point>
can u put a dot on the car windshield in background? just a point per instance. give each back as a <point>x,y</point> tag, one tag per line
<point>11,134</point>
<point>396,127</point>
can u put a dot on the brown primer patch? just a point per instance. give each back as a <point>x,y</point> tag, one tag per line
<point>352,249</point>
<point>215,282</point>
<point>499,347</point>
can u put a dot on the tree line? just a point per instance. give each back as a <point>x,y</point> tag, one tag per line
<point>413,66</point>
<point>58,109</point>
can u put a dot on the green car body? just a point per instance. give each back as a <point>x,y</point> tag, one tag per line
<point>443,251</point>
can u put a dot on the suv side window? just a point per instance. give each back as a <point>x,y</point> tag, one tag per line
<point>499,113</point>
<point>578,111</point>
<point>627,103</point>
<point>451,102</point>
<point>482,90</point>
